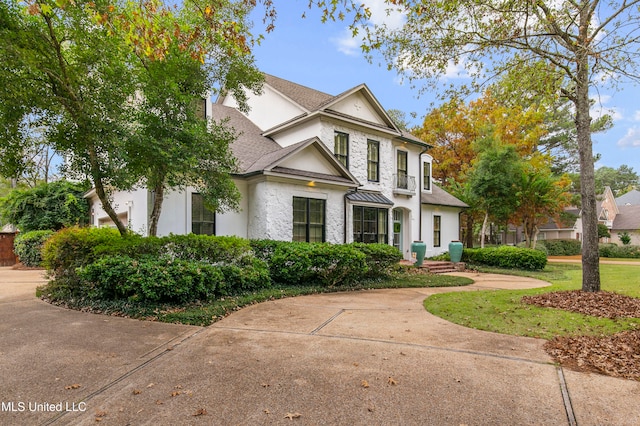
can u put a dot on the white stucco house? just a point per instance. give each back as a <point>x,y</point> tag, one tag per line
<point>313,167</point>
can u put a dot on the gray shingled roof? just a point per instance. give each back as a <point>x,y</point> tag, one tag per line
<point>627,219</point>
<point>306,97</point>
<point>632,198</point>
<point>439,197</point>
<point>250,146</point>
<point>272,157</point>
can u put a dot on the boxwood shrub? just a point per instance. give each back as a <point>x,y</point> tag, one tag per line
<point>28,247</point>
<point>70,251</point>
<point>623,252</point>
<point>562,247</point>
<point>382,259</point>
<point>298,263</point>
<point>506,257</point>
<point>151,279</point>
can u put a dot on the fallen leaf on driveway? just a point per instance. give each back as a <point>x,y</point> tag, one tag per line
<point>73,386</point>
<point>292,416</point>
<point>200,412</point>
<point>365,384</point>
<point>392,381</point>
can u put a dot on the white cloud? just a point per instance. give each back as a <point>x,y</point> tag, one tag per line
<point>631,139</point>
<point>381,14</point>
<point>636,116</point>
<point>600,108</point>
<point>347,44</point>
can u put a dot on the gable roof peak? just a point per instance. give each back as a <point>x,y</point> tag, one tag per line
<point>308,98</point>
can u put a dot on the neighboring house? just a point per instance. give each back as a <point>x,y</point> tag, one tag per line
<point>631,198</point>
<point>628,217</point>
<point>564,227</point>
<point>313,167</point>
<point>619,215</point>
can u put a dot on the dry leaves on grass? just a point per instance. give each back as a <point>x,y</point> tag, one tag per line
<point>602,304</point>
<point>616,355</point>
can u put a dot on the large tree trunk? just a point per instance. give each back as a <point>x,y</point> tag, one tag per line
<point>469,231</point>
<point>96,176</point>
<point>590,255</point>
<point>484,229</point>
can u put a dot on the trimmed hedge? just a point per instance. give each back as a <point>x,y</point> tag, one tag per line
<point>28,247</point>
<point>561,247</point>
<point>83,262</point>
<point>99,263</point>
<point>506,257</point>
<point>299,263</point>
<point>623,252</point>
<point>150,279</point>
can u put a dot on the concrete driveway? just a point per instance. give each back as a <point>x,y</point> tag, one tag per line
<point>362,358</point>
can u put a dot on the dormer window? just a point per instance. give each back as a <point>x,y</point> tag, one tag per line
<point>373,160</point>
<point>402,169</point>
<point>341,148</point>
<point>426,176</point>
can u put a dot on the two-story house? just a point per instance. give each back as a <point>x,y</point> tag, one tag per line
<point>313,167</point>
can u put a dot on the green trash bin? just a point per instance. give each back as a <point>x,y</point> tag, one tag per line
<point>419,248</point>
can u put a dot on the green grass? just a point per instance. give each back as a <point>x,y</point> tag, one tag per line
<point>502,311</point>
<point>203,314</point>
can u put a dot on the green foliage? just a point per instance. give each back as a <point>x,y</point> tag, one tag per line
<point>382,259</point>
<point>50,206</point>
<point>561,247</point>
<point>152,279</point>
<point>205,247</point>
<point>625,238</point>
<point>74,69</point>
<point>623,252</point>
<point>620,180</point>
<point>506,257</point>
<point>297,263</point>
<point>71,248</point>
<point>82,261</point>
<point>493,177</point>
<point>28,246</point>
<point>603,231</point>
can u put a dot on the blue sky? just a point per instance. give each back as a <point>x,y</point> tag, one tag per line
<point>324,57</point>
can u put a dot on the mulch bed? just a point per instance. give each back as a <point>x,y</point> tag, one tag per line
<point>616,355</point>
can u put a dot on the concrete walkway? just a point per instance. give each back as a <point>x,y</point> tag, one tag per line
<point>362,358</point>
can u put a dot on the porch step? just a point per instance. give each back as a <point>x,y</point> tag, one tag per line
<point>439,267</point>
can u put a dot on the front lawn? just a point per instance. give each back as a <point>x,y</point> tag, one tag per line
<point>503,311</point>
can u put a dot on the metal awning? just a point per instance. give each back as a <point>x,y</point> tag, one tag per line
<point>369,197</point>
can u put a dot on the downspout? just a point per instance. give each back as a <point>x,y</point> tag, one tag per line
<point>345,224</point>
<point>420,173</point>
<point>344,221</point>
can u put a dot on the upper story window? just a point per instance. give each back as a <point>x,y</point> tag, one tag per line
<point>373,160</point>
<point>426,176</point>
<point>341,148</point>
<point>402,170</point>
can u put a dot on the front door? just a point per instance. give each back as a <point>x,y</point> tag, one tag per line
<point>397,229</point>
